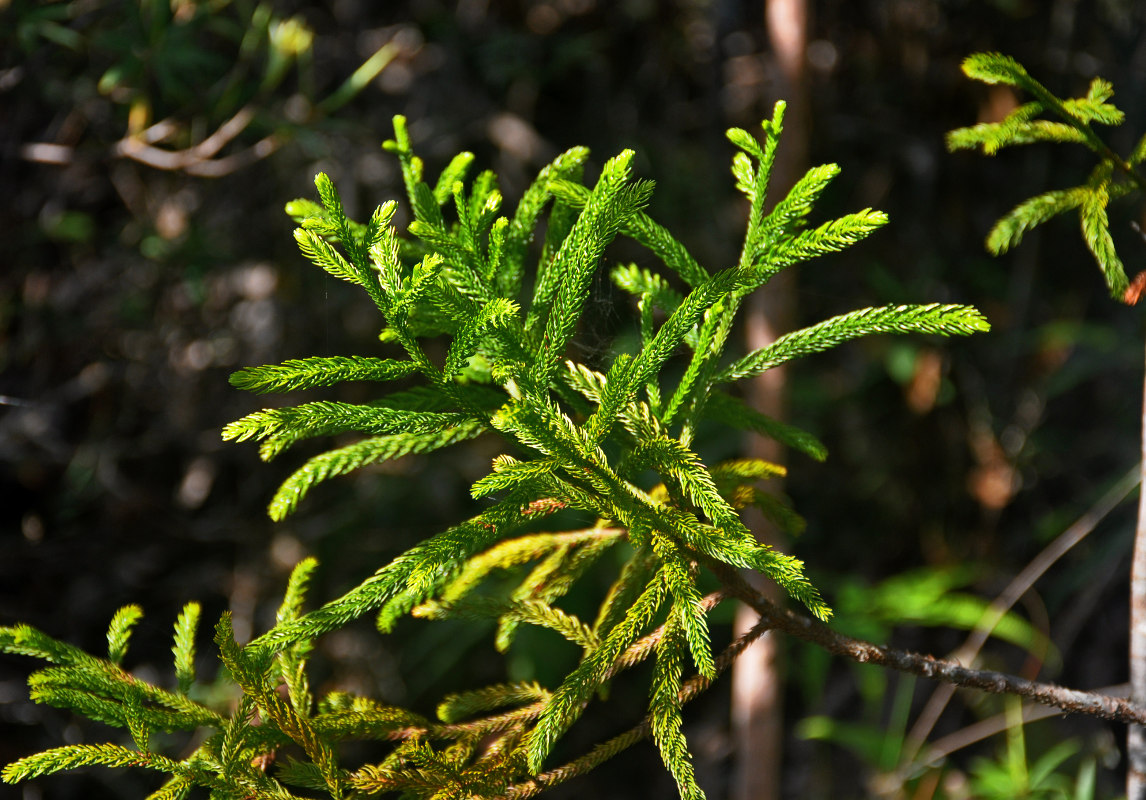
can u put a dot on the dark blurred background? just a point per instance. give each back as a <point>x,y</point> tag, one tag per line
<point>142,267</point>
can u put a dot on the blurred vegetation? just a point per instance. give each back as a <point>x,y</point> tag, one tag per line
<point>132,290</point>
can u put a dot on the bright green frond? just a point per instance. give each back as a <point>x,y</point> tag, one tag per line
<point>665,705</point>
<point>566,166</point>
<point>554,576</point>
<point>748,469</point>
<point>745,141</point>
<point>1009,230</point>
<point>509,473</point>
<point>624,590</point>
<point>276,710</point>
<point>457,707</point>
<point>186,627</point>
<point>831,237</point>
<point>790,213</point>
<point>1093,107</point>
<point>993,136</point>
<point>366,720</point>
<point>996,68</point>
<point>947,320</point>
<point>680,576</point>
<point>119,631</point>
<point>455,172</point>
<point>282,427</point>
<point>513,553</point>
<point>302,210</point>
<point>643,229</point>
<point>640,281</point>
<point>25,640</point>
<point>788,572</point>
<point>291,607</point>
<point>649,361</point>
<point>613,201</point>
<point>411,164</point>
<point>1139,152</point>
<point>360,454</point>
<point>84,755</point>
<point>752,179</point>
<point>488,319</point>
<point>310,373</point>
<point>1096,232</point>
<point>427,568</point>
<point>332,203</point>
<point>322,254</point>
<point>533,612</point>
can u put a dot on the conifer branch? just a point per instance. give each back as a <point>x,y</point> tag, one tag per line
<point>502,372</point>
<point>82,755</point>
<point>184,648</point>
<point>311,373</point>
<point>119,632</point>
<point>933,319</point>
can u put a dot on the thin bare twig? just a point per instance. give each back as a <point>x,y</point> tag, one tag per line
<point>1009,596</point>
<point>198,160</point>
<point>810,630</point>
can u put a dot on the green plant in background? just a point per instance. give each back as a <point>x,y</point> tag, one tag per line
<point>1048,118</point>
<point>188,78</point>
<point>594,461</point>
<point>1012,776</point>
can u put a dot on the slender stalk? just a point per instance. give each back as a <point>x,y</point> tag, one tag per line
<point>811,630</point>
<point>1136,736</point>
<point>1015,590</point>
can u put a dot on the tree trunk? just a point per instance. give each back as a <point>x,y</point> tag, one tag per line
<point>757,679</point>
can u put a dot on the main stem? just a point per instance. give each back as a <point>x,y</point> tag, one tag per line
<point>1136,736</point>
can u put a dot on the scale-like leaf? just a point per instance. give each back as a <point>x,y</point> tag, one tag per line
<point>119,631</point>
<point>186,626</point>
<point>282,427</point>
<point>1009,230</point>
<point>318,371</point>
<point>831,237</point>
<point>665,706</point>
<point>456,707</point>
<point>933,318</point>
<point>1096,232</point>
<point>84,755</point>
<point>369,451</point>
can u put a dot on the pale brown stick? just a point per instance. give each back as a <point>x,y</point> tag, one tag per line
<point>1009,596</point>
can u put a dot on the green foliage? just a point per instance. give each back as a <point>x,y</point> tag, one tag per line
<point>612,447</point>
<point>163,59</point>
<point>1072,121</point>
<point>1011,775</point>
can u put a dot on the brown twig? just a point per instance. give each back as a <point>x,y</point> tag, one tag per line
<point>810,630</point>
